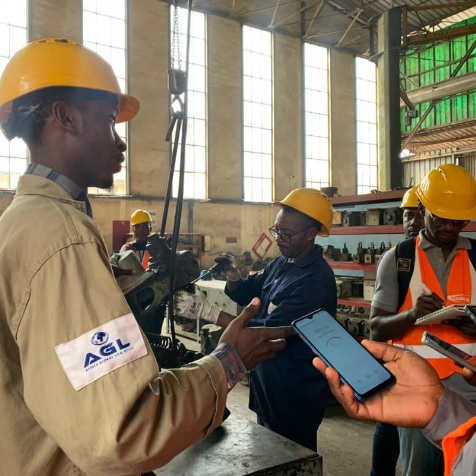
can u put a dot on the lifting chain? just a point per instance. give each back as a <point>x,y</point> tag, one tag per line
<point>176,56</point>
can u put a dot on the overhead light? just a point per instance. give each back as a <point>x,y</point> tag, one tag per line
<point>406,154</point>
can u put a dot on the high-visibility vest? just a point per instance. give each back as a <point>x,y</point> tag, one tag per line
<point>453,443</point>
<point>142,255</point>
<point>460,289</point>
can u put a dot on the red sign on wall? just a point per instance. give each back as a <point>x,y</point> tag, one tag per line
<point>261,247</point>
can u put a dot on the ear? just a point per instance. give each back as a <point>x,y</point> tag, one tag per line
<point>312,233</point>
<point>421,210</point>
<point>64,115</point>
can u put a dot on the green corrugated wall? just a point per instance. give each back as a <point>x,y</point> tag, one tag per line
<point>424,66</point>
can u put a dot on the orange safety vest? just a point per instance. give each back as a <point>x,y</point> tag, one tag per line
<point>460,289</point>
<point>453,443</point>
<point>142,255</point>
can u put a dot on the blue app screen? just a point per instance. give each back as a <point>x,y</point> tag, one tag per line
<point>357,366</point>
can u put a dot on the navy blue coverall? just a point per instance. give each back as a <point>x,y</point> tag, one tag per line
<point>287,393</point>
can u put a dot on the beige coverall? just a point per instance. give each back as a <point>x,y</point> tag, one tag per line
<point>56,285</point>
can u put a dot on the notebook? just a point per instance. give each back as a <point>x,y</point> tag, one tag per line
<point>449,312</point>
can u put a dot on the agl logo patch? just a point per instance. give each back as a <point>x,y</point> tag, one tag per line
<point>98,352</point>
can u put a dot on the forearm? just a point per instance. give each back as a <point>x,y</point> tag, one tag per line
<point>389,327</point>
<point>124,419</point>
<point>453,411</point>
<point>143,431</point>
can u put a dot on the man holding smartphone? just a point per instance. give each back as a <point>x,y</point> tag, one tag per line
<point>81,391</point>
<point>448,420</point>
<point>441,260</point>
<point>285,393</point>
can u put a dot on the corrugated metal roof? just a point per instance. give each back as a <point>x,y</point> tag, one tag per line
<point>458,136</point>
<point>342,24</point>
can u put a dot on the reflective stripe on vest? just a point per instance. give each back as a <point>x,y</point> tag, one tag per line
<point>460,289</point>
<point>145,258</point>
<point>453,443</point>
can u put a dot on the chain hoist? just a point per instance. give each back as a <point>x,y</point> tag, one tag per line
<point>177,84</point>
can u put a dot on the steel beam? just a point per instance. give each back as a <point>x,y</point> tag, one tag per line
<point>434,102</point>
<point>440,35</point>
<point>390,171</point>
<point>442,89</point>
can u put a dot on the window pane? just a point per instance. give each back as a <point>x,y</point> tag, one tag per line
<point>366,125</point>
<point>104,31</point>
<point>13,36</point>
<point>195,151</point>
<point>257,115</point>
<point>316,107</point>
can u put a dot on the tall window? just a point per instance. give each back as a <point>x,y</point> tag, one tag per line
<point>13,36</point>
<point>316,110</point>
<point>104,31</point>
<point>366,97</point>
<point>257,115</point>
<point>195,150</point>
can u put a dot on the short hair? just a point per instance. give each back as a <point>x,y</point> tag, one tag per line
<point>30,112</point>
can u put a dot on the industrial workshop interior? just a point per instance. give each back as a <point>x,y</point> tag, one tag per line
<point>249,108</point>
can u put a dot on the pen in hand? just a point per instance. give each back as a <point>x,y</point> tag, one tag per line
<point>428,292</point>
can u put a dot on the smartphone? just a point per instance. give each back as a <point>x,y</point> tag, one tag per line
<point>339,349</point>
<point>458,355</point>
<point>471,311</point>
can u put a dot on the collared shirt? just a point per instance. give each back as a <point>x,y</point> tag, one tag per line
<point>387,293</point>
<point>231,361</point>
<point>289,289</point>
<point>59,286</point>
<point>71,187</point>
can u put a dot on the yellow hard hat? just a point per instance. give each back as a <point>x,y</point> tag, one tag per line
<point>140,216</point>
<point>410,199</point>
<point>449,191</point>
<point>312,203</point>
<point>57,62</point>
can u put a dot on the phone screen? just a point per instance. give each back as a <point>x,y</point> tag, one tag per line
<point>339,349</point>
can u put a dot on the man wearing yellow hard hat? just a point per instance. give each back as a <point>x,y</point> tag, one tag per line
<point>412,220</point>
<point>386,444</point>
<point>419,276</point>
<point>80,390</point>
<point>141,223</point>
<point>284,392</point>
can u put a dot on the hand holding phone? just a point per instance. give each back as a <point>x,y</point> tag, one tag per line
<point>339,349</point>
<point>417,389</point>
<point>445,348</point>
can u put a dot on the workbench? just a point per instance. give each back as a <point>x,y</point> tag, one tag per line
<point>241,447</point>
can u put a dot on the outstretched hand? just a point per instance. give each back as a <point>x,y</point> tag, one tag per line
<point>228,263</point>
<point>411,401</point>
<point>254,344</point>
